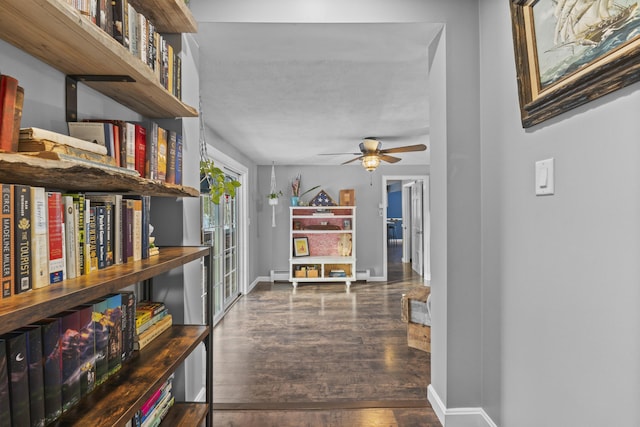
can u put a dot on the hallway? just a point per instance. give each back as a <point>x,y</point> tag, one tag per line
<point>320,356</point>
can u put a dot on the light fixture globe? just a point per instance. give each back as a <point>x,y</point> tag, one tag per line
<point>370,162</point>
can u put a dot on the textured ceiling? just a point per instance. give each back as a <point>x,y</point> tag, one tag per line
<point>291,93</point>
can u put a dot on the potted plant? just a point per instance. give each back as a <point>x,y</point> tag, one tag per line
<point>213,179</point>
<point>295,190</point>
<point>273,197</point>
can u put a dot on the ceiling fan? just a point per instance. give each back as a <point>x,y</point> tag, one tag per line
<point>371,153</point>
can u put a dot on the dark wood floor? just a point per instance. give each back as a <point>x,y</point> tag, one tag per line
<point>321,356</point>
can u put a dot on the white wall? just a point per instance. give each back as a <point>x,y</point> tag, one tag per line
<point>560,273</point>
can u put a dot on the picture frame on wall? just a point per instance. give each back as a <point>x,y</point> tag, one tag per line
<point>567,56</point>
<point>300,246</point>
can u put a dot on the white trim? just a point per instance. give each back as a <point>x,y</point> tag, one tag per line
<point>253,284</point>
<point>458,417</point>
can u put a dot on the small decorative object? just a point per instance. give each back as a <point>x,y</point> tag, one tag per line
<point>297,225</point>
<point>214,180</point>
<point>295,190</point>
<point>153,249</point>
<point>570,53</point>
<point>346,224</point>
<point>300,246</point>
<point>347,197</point>
<point>273,197</point>
<point>322,199</point>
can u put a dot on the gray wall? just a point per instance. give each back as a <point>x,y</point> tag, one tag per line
<point>560,273</point>
<point>274,242</point>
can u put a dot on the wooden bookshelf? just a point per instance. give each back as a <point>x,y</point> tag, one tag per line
<point>24,169</point>
<point>169,16</point>
<point>116,401</point>
<point>57,34</point>
<point>28,307</point>
<point>186,414</point>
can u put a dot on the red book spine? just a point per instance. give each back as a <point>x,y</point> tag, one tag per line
<point>56,242</point>
<point>141,149</point>
<point>8,91</point>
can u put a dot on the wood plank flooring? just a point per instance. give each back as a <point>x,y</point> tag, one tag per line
<point>321,356</point>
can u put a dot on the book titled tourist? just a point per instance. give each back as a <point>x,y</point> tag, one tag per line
<point>22,241</point>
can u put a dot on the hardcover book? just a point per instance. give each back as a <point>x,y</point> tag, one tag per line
<point>131,145</point>
<point>137,230</point>
<point>18,370</point>
<point>113,207</point>
<point>179,159</point>
<point>17,115</point>
<point>114,350</point>
<point>152,151</point>
<point>86,349</point>
<point>69,341</point>
<point>101,234</point>
<point>36,139</point>
<point>39,243</point>
<point>7,239</point>
<point>127,226</point>
<point>96,132</point>
<point>79,201</point>
<point>128,323</point>
<point>92,239</point>
<point>5,407</point>
<point>145,338</point>
<point>8,92</point>
<point>70,219</point>
<point>162,154</point>
<point>140,149</point>
<point>57,257</point>
<point>22,245</point>
<point>52,365</point>
<point>36,374</point>
<point>171,158</point>
<point>101,332</point>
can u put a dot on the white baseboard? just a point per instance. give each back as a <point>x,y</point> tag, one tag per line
<point>458,417</point>
<point>254,283</point>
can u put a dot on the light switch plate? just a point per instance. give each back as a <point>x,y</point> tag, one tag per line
<point>545,183</point>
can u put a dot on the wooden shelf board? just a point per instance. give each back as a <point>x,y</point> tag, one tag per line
<point>186,414</point>
<point>23,169</point>
<point>57,34</point>
<point>117,400</point>
<point>22,309</point>
<point>169,16</point>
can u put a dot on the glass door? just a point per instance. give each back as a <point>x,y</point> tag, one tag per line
<point>220,231</point>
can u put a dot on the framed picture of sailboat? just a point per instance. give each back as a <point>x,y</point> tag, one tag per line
<point>570,52</point>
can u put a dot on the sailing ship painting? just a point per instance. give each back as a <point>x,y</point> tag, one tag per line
<point>571,34</point>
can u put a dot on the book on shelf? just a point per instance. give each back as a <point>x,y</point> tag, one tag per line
<point>95,132</point>
<point>154,319</point>
<point>137,230</point>
<point>5,406</point>
<point>178,166</point>
<point>69,331</point>
<point>72,247</point>
<point>37,139</point>
<point>17,367</point>
<point>52,366</point>
<point>101,235</point>
<point>92,236</point>
<point>56,237</point>
<point>140,155</point>
<point>86,348</point>
<point>114,349</point>
<point>171,157</point>
<point>39,243</point>
<point>162,154</point>
<point>22,242</point>
<point>8,93</point>
<point>7,239</point>
<point>128,323</point>
<point>153,332</point>
<point>36,374</point>
<point>146,311</point>
<point>127,230</point>
<point>113,207</point>
<point>151,165</point>
<point>79,205</point>
<point>101,331</point>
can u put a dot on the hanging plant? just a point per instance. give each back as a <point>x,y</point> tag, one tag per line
<point>216,181</point>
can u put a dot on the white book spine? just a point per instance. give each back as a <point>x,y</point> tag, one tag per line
<point>70,230</point>
<point>39,238</point>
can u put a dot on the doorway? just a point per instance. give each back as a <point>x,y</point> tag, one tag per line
<point>406,222</point>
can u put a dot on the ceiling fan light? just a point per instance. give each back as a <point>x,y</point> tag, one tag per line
<point>370,163</point>
<point>370,144</point>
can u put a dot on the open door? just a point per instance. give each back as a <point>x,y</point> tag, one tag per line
<point>417,232</point>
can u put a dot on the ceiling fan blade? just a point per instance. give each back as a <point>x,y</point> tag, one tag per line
<point>353,160</point>
<point>410,133</point>
<point>405,149</point>
<point>389,159</point>
<point>339,154</point>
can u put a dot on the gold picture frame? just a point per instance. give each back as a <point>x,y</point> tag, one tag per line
<point>300,246</point>
<point>564,60</point>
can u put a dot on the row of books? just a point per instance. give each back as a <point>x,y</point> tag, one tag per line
<point>11,102</point>
<point>49,236</point>
<point>156,407</point>
<point>48,366</point>
<point>155,152</point>
<point>137,33</point>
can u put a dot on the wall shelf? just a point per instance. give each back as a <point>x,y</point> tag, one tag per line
<point>24,169</point>
<point>169,16</point>
<point>57,34</point>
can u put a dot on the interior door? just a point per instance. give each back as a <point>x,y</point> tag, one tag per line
<point>417,232</point>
